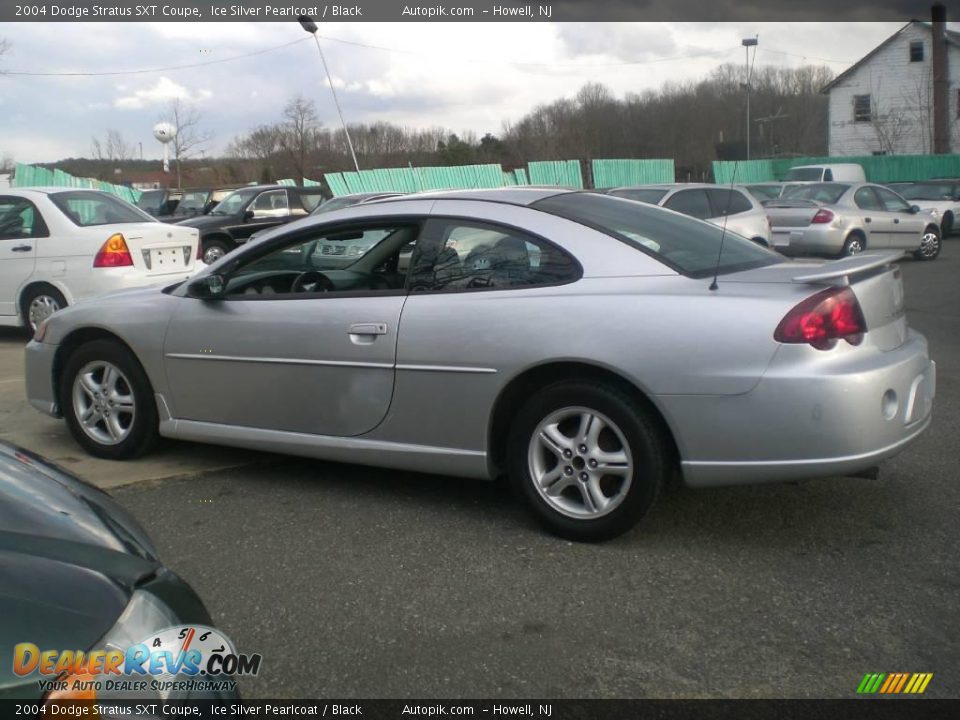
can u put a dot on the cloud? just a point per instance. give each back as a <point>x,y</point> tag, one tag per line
<point>161,93</point>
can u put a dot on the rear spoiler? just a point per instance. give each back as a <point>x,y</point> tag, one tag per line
<point>848,267</point>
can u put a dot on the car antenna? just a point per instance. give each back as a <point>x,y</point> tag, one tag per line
<point>723,232</point>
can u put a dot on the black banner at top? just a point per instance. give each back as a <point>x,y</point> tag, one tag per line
<point>461,10</point>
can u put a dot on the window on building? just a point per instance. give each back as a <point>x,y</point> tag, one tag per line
<point>861,108</point>
<point>916,51</point>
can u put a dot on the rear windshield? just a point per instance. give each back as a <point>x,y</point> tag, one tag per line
<point>652,197</point>
<point>152,199</point>
<point>804,174</point>
<point>87,208</point>
<point>821,192</point>
<point>689,246</point>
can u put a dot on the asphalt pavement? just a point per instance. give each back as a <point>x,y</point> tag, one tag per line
<point>366,583</point>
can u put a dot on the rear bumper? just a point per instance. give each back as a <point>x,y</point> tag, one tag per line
<point>835,416</point>
<point>810,239</point>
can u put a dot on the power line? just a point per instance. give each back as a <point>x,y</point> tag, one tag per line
<point>809,57</point>
<point>154,70</point>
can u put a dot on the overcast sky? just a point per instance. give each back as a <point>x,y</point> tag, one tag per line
<point>463,76</point>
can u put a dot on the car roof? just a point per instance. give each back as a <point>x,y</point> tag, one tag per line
<point>518,195</point>
<point>681,186</point>
<point>49,190</point>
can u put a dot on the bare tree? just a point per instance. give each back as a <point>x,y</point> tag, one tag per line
<point>113,147</point>
<point>299,136</point>
<point>190,138</point>
<point>7,163</point>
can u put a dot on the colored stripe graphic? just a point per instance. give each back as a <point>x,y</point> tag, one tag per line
<point>894,683</point>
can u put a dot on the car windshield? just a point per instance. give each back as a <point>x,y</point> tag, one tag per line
<point>647,195</point>
<point>820,192</point>
<point>690,246</point>
<point>926,192</point>
<point>87,208</point>
<point>764,192</point>
<point>234,202</point>
<point>805,174</point>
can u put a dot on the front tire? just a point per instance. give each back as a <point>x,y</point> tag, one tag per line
<point>108,402</point>
<point>39,303</point>
<point>929,245</point>
<point>587,460</point>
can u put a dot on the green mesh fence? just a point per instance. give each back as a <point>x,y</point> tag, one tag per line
<point>556,172</point>
<point>878,168</point>
<point>615,173</point>
<point>31,176</point>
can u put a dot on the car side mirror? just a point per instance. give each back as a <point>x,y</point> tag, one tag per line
<point>248,215</point>
<point>209,287</point>
<point>914,209</point>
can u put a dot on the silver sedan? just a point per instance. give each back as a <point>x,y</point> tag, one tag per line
<point>847,218</point>
<point>584,345</point>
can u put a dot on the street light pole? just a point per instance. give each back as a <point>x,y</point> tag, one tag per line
<point>307,23</point>
<point>747,44</point>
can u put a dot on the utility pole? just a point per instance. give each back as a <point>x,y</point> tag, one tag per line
<point>747,44</point>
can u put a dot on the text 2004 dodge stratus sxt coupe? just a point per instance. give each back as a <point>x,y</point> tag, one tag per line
<point>575,341</point>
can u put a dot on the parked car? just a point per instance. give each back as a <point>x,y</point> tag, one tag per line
<point>247,210</point>
<point>159,203</point>
<point>730,206</point>
<point>589,347</point>
<point>848,218</point>
<point>337,203</point>
<point>60,245</point>
<point>80,574</point>
<point>836,172</point>
<point>941,198</point>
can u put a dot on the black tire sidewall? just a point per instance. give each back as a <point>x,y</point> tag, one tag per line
<point>845,252</point>
<point>641,434</point>
<point>143,434</point>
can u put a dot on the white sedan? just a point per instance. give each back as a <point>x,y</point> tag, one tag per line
<point>60,245</point>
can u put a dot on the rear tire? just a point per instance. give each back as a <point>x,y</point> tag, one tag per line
<point>854,245</point>
<point>108,402</point>
<point>39,303</point>
<point>946,226</point>
<point>587,460</point>
<point>930,245</point>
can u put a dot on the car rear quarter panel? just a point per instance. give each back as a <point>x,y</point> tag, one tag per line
<point>665,335</point>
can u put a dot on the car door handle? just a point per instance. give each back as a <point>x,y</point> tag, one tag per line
<point>22,248</point>
<point>867,219</point>
<point>896,221</point>
<point>368,329</point>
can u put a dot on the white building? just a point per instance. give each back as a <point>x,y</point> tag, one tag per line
<point>883,105</point>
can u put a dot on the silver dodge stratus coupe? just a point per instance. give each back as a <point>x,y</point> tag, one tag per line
<point>584,345</point>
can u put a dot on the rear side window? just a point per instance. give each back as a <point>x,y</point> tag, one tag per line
<point>865,199</point>
<point>307,201</point>
<point>691,247</point>
<point>690,202</point>
<point>20,219</point>
<point>468,255</point>
<point>728,202</point>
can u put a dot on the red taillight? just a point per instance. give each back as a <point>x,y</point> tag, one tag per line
<point>822,216</point>
<point>822,319</point>
<point>199,250</point>
<point>113,253</point>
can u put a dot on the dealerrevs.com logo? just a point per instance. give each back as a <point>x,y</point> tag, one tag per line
<point>184,659</point>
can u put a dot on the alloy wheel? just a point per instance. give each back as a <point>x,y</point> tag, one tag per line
<point>211,255</point>
<point>103,402</point>
<point>930,244</point>
<point>580,463</point>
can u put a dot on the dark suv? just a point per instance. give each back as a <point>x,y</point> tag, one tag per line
<point>247,210</point>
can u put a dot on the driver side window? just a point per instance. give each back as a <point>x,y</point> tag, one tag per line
<point>357,259</point>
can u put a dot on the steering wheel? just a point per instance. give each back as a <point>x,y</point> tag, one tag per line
<point>312,281</point>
